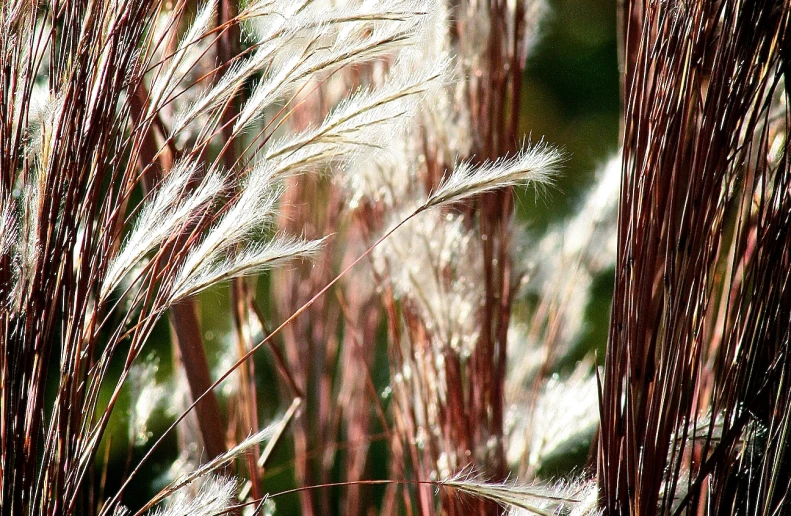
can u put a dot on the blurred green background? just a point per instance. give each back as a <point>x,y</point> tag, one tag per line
<point>570,99</point>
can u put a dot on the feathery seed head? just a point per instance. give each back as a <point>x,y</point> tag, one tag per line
<point>214,496</point>
<point>535,164</point>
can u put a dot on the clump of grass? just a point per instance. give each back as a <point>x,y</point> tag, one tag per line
<point>700,320</point>
<point>367,151</point>
<point>133,178</point>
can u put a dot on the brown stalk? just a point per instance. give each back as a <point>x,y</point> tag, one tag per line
<point>472,416</point>
<point>357,391</point>
<point>228,50</point>
<point>311,344</point>
<point>183,315</point>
